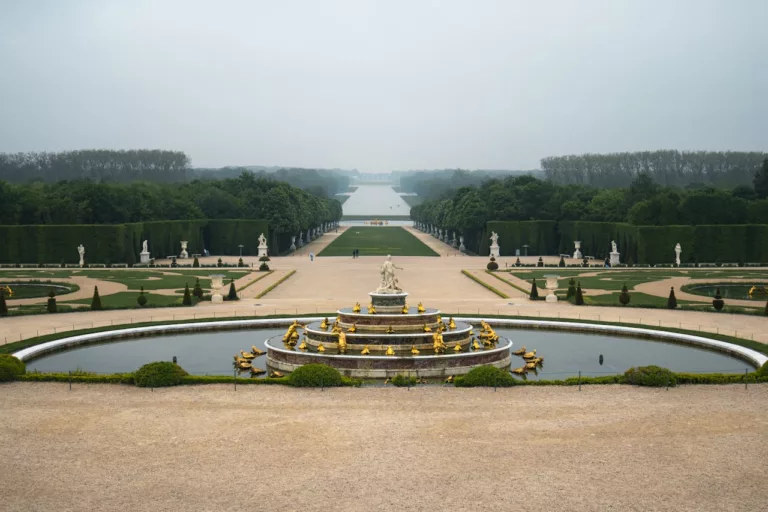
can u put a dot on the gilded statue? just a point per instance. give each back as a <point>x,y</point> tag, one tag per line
<point>356,308</point>
<point>451,323</point>
<point>437,343</point>
<point>352,328</point>
<point>324,324</point>
<point>342,342</point>
<point>390,330</point>
<point>405,309</point>
<point>457,348</point>
<point>320,347</point>
<point>371,309</point>
<point>365,351</point>
<point>390,351</point>
<point>414,350</point>
<point>420,308</point>
<point>427,328</point>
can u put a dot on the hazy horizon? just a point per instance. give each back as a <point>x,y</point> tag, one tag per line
<point>383,86</point>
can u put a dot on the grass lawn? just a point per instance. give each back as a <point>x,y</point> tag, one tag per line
<point>377,241</point>
<point>128,300</point>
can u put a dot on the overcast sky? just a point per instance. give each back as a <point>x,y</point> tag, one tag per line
<point>385,85</point>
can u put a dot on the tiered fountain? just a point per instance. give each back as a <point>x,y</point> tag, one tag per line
<point>387,337</point>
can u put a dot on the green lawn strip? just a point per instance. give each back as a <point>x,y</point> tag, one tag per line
<point>264,274</point>
<point>275,285</point>
<point>637,299</point>
<point>485,285</point>
<point>127,300</point>
<point>510,283</point>
<point>377,241</point>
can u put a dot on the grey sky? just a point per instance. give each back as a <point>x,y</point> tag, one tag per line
<point>383,85</point>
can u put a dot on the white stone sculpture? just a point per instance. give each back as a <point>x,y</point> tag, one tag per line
<point>184,255</point>
<point>461,244</point>
<point>144,256</point>
<point>495,249</point>
<point>577,252</point>
<point>217,282</point>
<point>678,250</point>
<point>81,252</point>
<point>614,254</point>
<point>293,244</point>
<point>551,288</point>
<point>388,280</point>
<point>453,240</point>
<point>301,240</point>
<point>262,245</point>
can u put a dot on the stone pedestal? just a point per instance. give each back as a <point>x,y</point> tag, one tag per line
<point>495,250</point>
<point>388,302</point>
<point>577,252</point>
<point>144,257</point>
<point>614,258</point>
<point>551,288</point>
<point>262,251</point>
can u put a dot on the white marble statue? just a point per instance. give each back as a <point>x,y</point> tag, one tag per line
<point>145,246</point>
<point>678,250</point>
<point>144,256</point>
<point>388,280</point>
<point>577,251</point>
<point>461,244</point>
<point>495,249</point>
<point>614,254</point>
<point>494,238</point>
<point>184,254</point>
<point>613,246</point>
<point>81,252</point>
<point>262,241</point>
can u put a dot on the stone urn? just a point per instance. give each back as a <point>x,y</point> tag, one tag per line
<point>551,288</point>
<point>217,282</point>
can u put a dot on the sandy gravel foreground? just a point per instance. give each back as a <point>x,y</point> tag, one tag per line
<point>103,447</point>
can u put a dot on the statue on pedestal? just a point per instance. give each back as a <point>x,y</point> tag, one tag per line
<point>144,256</point>
<point>495,249</point>
<point>81,252</point>
<point>184,253</point>
<point>614,254</point>
<point>388,280</point>
<point>262,249</point>
<point>678,250</point>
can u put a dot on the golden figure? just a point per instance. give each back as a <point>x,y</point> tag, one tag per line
<point>451,323</point>
<point>303,345</point>
<point>276,374</point>
<point>257,371</point>
<point>437,343</point>
<point>420,308</point>
<point>520,371</point>
<point>320,347</point>
<point>324,324</point>
<point>390,330</point>
<point>439,319</point>
<point>353,328</point>
<point>342,342</point>
<point>520,352</point>
<point>390,351</point>
<point>414,350</point>
<point>287,335</point>
<point>529,355</point>
<point>449,380</point>
<point>365,351</point>
<point>530,366</point>
<point>457,348</point>
<point>427,328</point>
<point>475,345</point>
<point>356,308</point>
<point>405,309</point>
<point>371,309</point>
<point>471,332</point>
<point>244,366</point>
<point>256,352</point>
<point>336,329</point>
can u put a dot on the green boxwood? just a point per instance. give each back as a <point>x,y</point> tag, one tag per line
<point>82,377</point>
<point>402,381</point>
<point>485,376</point>
<point>652,376</point>
<point>159,374</point>
<point>11,367</point>
<point>315,375</point>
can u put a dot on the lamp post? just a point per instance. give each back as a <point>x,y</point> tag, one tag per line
<point>241,249</point>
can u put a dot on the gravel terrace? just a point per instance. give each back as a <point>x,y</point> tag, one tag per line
<point>109,447</point>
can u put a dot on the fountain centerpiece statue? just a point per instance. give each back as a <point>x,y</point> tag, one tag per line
<point>144,255</point>
<point>81,252</point>
<point>389,282</point>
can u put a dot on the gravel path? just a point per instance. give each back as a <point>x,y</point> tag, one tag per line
<point>102,447</point>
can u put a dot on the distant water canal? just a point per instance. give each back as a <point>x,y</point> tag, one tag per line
<point>375,200</point>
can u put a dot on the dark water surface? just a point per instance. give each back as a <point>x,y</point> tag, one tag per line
<point>564,353</point>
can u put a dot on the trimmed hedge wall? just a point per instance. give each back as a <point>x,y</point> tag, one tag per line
<point>121,243</point>
<point>736,243</point>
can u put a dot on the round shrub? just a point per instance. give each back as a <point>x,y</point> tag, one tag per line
<point>402,381</point>
<point>486,376</point>
<point>264,258</point>
<point>492,265</point>
<point>263,267</point>
<point>159,374</point>
<point>763,371</point>
<point>315,375</point>
<point>11,367</point>
<point>652,376</point>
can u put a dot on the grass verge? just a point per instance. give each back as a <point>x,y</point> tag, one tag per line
<point>278,283</point>
<point>485,285</point>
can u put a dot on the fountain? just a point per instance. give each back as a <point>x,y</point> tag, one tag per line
<point>389,337</point>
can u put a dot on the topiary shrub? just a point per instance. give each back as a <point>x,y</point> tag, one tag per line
<point>314,376</point>
<point>51,305</point>
<point>652,376</point>
<point>579,299</point>
<point>96,300</point>
<point>187,300</point>
<point>402,381</point>
<point>240,263</point>
<point>562,262</point>
<point>571,289</point>
<point>671,300</point>
<point>218,263</point>
<point>585,262</point>
<point>486,376</point>
<point>4,306</point>
<point>492,265</point>
<point>141,300</point>
<point>197,291</point>
<point>264,258</point>
<point>11,367</point>
<point>718,303</point>
<point>232,295</point>
<point>517,262</point>
<point>540,263</point>
<point>159,374</point>
<point>534,295</point>
<point>624,296</point>
<point>763,371</point>
<point>195,262</point>
<point>263,267</point>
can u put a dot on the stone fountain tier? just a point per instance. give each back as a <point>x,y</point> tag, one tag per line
<point>379,366</point>
<point>388,302</point>
<point>347,317</point>
<point>378,339</point>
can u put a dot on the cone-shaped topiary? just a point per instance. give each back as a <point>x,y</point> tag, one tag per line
<point>517,262</point>
<point>141,300</point>
<point>218,263</point>
<point>624,296</point>
<point>534,291</point>
<point>187,300</point>
<point>562,262</point>
<point>232,295</point>
<point>51,306</point>
<point>4,306</point>
<point>196,262</point>
<point>671,300</point>
<point>96,300</point>
<point>718,303</point>
<point>571,289</point>
<point>579,301</point>
<point>197,291</point>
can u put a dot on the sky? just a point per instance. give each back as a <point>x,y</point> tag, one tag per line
<point>383,85</point>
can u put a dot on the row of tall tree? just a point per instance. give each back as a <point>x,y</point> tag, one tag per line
<point>434,184</point>
<point>643,202</point>
<point>667,167</point>
<point>320,182</point>
<point>288,209</point>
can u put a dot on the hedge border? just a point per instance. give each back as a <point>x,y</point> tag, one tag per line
<point>485,285</point>
<point>275,285</point>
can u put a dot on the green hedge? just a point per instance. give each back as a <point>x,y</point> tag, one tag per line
<point>159,374</point>
<point>224,236</point>
<point>315,375</point>
<point>651,376</point>
<point>485,376</point>
<point>88,378</point>
<point>11,368</point>
<point>539,235</point>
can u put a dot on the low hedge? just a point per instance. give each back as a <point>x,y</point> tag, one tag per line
<point>88,378</point>
<point>315,375</point>
<point>159,374</point>
<point>402,381</point>
<point>226,379</point>
<point>485,376</point>
<point>11,368</point>
<point>652,376</point>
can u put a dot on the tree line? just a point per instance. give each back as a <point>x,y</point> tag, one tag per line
<point>643,202</point>
<point>668,167</point>
<point>288,209</point>
<point>434,184</point>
